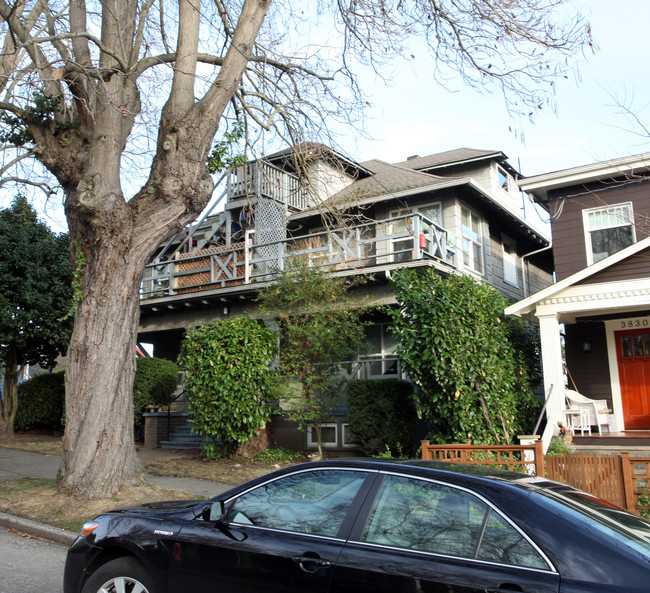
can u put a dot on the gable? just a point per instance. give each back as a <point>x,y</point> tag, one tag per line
<point>634,267</point>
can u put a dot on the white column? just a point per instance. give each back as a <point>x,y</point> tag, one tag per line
<point>553,371</point>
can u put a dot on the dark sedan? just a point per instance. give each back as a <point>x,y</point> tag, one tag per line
<point>369,526</point>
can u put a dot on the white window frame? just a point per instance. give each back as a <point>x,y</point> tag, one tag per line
<point>510,261</point>
<point>346,439</point>
<point>312,439</point>
<point>506,184</point>
<point>471,266</point>
<point>627,219</point>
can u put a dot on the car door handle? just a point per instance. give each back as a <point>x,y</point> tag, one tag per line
<point>311,563</point>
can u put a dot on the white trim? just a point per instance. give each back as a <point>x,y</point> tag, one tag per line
<point>528,304</point>
<point>512,256</point>
<point>540,185</point>
<point>611,327</point>
<point>589,251</point>
<point>313,444</point>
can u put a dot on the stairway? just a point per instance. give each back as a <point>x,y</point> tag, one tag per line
<point>183,438</point>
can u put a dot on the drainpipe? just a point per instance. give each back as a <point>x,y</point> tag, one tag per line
<point>524,265</point>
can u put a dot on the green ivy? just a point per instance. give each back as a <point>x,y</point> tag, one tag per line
<point>455,345</point>
<point>80,262</point>
<point>228,379</point>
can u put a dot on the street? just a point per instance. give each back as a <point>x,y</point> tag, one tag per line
<point>29,565</point>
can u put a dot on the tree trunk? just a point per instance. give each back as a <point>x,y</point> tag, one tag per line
<point>98,446</point>
<point>9,399</point>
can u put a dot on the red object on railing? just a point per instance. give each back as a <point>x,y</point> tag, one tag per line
<point>423,241</point>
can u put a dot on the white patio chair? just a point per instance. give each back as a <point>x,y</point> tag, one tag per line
<point>597,410</point>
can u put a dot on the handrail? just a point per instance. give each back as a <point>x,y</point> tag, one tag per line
<point>360,246</point>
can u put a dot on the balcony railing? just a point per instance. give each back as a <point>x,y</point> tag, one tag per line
<point>260,179</point>
<point>400,239</point>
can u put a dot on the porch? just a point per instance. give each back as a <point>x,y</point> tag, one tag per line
<point>231,259</point>
<point>635,442</point>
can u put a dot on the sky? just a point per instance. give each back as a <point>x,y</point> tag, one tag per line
<point>415,116</point>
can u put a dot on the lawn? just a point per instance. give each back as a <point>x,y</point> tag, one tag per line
<point>40,500</point>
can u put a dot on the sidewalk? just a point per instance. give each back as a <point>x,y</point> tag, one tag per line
<point>16,464</point>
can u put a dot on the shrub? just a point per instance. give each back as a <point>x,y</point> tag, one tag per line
<point>41,402</point>
<point>382,416</point>
<point>228,381</point>
<point>154,384</point>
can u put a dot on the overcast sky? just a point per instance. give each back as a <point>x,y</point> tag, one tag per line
<point>415,116</point>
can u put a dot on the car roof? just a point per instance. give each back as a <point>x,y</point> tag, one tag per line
<point>443,470</point>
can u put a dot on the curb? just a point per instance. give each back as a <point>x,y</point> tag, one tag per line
<point>30,527</point>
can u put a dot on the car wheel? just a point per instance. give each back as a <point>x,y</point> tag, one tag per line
<point>123,575</point>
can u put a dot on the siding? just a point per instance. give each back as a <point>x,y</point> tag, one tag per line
<point>566,208</point>
<point>637,266</point>
<point>589,370</point>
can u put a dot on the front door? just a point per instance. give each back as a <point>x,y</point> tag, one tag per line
<point>633,355</point>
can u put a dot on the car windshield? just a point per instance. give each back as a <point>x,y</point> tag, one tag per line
<point>607,518</point>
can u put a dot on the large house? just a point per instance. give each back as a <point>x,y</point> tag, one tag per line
<point>460,212</point>
<point>598,312</point>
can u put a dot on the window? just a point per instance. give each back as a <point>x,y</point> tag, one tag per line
<point>382,357</point>
<point>510,274</point>
<point>402,248</point>
<point>472,241</point>
<point>608,230</point>
<point>313,502</point>
<point>431,517</point>
<point>504,178</point>
<point>327,432</point>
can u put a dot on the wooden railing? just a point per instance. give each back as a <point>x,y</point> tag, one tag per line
<point>619,479</point>
<point>526,458</point>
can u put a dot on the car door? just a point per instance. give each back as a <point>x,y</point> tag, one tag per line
<point>283,535</point>
<point>428,537</point>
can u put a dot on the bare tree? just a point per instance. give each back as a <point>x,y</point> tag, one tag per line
<point>79,80</point>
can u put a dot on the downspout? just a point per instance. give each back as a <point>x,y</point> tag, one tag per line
<point>524,264</point>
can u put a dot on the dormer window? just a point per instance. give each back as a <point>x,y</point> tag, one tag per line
<point>608,230</point>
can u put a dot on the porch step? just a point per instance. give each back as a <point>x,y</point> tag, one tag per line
<point>183,438</point>
<point>634,442</point>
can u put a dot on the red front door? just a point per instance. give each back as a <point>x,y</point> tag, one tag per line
<point>633,354</point>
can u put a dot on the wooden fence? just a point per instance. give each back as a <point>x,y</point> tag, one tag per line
<point>619,479</point>
<point>527,458</point>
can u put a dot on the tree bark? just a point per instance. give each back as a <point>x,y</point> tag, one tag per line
<point>9,399</point>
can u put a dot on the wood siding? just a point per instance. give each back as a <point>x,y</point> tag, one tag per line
<point>566,208</point>
<point>588,370</point>
<point>634,267</point>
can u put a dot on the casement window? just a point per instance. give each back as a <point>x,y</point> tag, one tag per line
<point>608,230</point>
<point>472,241</point>
<point>509,250</point>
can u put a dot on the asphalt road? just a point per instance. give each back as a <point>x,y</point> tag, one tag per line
<point>30,565</point>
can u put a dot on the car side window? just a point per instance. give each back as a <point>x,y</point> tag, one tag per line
<point>432,517</point>
<point>312,502</point>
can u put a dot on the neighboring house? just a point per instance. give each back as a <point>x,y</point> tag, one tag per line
<point>458,211</point>
<point>600,217</point>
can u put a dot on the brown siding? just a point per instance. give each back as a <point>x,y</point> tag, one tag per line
<point>635,267</point>
<point>589,370</point>
<point>566,208</point>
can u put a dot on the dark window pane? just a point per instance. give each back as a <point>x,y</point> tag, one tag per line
<point>638,345</point>
<point>605,242</point>
<point>626,346</point>
<point>310,502</point>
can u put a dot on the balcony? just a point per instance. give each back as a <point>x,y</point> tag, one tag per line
<point>372,246</point>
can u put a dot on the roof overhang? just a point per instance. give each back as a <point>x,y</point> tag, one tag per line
<point>540,185</point>
<point>529,306</point>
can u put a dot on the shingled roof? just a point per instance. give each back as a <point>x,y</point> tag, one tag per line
<point>387,180</point>
<point>450,157</point>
